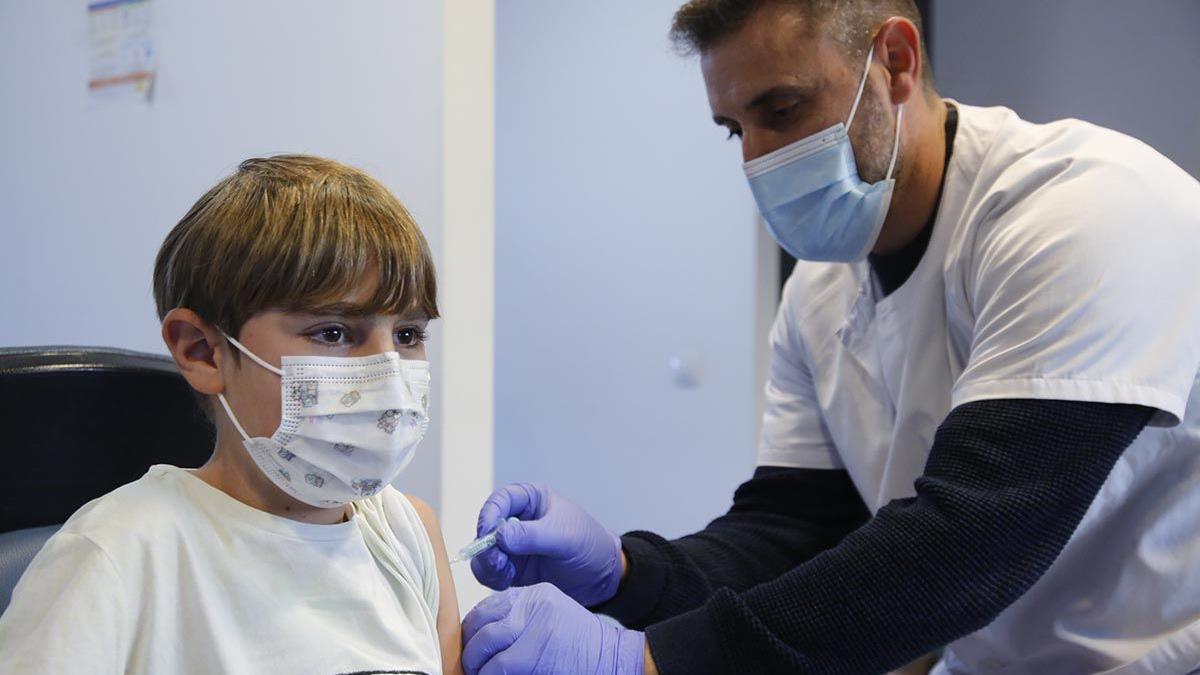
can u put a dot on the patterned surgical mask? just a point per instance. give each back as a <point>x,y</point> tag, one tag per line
<point>349,424</point>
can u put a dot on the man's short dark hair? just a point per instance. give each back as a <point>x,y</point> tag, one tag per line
<point>701,24</point>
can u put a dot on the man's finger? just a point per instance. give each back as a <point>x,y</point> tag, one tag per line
<point>493,512</point>
<point>507,663</point>
<point>486,572</point>
<point>490,610</point>
<point>516,499</point>
<point>483,647</point>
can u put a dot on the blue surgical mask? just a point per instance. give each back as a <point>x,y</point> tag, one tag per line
<point>813,200</point>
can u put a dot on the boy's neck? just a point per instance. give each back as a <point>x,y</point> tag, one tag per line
<point>232,471</point>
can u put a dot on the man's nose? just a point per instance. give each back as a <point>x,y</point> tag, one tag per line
<point>755,145</point>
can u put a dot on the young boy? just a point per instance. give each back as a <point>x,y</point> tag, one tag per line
<point>296,293</point>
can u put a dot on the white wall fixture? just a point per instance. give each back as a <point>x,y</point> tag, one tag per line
<point>467,277</point>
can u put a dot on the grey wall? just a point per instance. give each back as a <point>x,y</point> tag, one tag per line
<point>625,236</point>
<point>1129,65</point>
<point>88,189</point>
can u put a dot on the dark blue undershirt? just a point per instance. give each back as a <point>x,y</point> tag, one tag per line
<point>894,269</point>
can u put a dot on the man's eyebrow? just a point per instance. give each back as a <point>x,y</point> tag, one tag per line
<point>800,91</point>
<point>804,92</point>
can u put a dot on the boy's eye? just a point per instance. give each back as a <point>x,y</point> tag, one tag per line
<point>410,336</point>
<point>333,335</point>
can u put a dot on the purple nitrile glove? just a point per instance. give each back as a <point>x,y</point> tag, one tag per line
<point>555,542</point>
<point>540,631</point>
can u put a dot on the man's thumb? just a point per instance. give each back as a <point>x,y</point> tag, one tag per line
<point>527,537</point>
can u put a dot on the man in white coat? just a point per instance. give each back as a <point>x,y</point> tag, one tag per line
<point>982,430</point>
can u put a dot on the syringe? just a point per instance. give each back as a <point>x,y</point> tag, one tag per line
<point>479,545</point>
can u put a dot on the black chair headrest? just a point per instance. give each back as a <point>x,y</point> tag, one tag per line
<point>79,422</point>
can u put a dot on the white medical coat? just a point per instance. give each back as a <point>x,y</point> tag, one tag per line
<point>1064,264</point>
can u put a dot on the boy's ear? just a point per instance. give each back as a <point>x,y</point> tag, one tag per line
<point>193,344</point>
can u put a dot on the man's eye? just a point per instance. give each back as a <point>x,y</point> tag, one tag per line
<point>784,112</point>
<point>783,116</point>
<point>410,336</point>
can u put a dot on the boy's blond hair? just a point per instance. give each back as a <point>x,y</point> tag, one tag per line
<point>293,232</point>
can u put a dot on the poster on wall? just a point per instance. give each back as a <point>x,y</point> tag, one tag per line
<point>121,45</point>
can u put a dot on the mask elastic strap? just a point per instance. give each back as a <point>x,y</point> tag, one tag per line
<point>862,86</point>
<point>229,411</point>
<point>254,357</point>
<point>896,146</point>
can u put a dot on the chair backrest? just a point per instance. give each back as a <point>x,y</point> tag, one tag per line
<point>79,422</point>
<point>17,548</point>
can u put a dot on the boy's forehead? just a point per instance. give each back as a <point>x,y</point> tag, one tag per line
<point>362,301</point>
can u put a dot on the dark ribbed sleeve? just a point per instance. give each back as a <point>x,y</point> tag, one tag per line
<point>1005,486</point>
<point>780,518</point>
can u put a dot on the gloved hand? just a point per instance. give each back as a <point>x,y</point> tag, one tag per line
<point>539,631</point>
<point>555,541</point>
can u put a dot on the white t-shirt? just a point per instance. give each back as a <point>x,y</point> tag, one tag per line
<point>170,575</point>
<point>1064,264</point>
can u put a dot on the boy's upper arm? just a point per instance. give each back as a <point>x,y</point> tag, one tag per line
<point>448,623</point>
<point>67,612</point>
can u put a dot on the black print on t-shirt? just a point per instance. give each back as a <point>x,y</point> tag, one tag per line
<point>386,672</point>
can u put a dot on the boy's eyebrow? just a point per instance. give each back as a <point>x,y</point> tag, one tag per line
<point>336,309</point>
<point>352,310</point>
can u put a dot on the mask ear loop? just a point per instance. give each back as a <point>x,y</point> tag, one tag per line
<point>862,86</point>
<point>221,397</point>
<point>229,411</point>
<point>252,355</point>
<point>896,146</point>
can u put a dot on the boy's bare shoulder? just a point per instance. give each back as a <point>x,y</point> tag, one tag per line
<point>424,511</point>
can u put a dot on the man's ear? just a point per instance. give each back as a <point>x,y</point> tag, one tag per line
<point>899,45</point>
<point>195,346</point>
